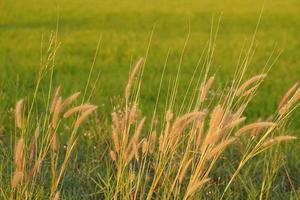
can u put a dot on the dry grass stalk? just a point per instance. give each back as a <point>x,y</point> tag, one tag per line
<point>116,141</point>
<point>83,116</point>
<point>196,186</point>
<point>184,170</point>
<point>139,129</point>
<point>36,134</point>
<point>233,124</point>
<point>181,122</point>
<point>152,142</point>
<point>135,149</point>
<point>239,112</point>
<point>76,109</point>
<point>56,196</point>
<point>113,155</point>
<point>169,116</point>
<point>161,142</point>
<point>285,97</point>
<point>228,118</point>
<point>214,125</point>
<point>33,144</point>
<point>131,176</point>
<point>290,103</point>
<point>277,139</point>
<point>17,178</point>
<point>70,99</point>
<point>54,143</point>
<point>133,113</point>
<point>128,156</point>
<point>257,131</point>
<point>116,121</point>
<point>295,97</point>
<point>19,154</point>
<point>200,133</point>
<point>249,91</point>
<point>249,82</point>
<point>216,118</point>
<point>205,88</point>
<point>36,168</point>
<point>132,76</point>
<point>144,146</point>
<point>254,126</point>
<point>55,98</point>
<point>220,148</point>
<point>19,113</point>
<point>56,112</point>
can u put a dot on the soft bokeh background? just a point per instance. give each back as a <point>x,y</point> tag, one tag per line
<point>125,27</point>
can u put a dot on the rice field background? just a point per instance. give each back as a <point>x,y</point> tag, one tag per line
<point>109,37</point>
<point>125,29</point>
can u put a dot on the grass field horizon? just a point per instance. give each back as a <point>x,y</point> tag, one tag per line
<point>110,37</point>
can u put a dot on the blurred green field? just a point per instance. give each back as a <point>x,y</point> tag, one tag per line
<point>125,27</point>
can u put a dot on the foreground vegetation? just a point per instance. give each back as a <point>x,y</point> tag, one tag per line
<point>201,147</point>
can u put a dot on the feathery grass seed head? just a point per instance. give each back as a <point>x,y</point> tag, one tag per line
<point>19,113</point>
<point>245,85</point>
<point>83,116</point>
<point>54,100</point>
<point>132,76</point>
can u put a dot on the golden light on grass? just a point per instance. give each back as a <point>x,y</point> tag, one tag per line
<point>233,124</point>
<point>145,146</point>
<point>116,141</point>
<point>34,144</point>
<point>84,116</point>
<point>133,113</point>
<point>54,143</point>
<point>55,98</point>
<point>135,149</point>
<point>139,129</point>
<point>205,88</point>
<point>254,126</point>
<point>19,154</point>
<point>220,147</point>
<point>189,145</point>
<point>184,170</point>
<point>132,76</point>
<point>19,113</point>
<point>196,186</point>
<point>286,96</point>
<point>244,86</point>
<point>56,112</point>
<point>70,100</point>
<point>287,106</point>
<point>17,178</point>
<point>56,196</point>
<point>113,155</point>
<point>278,139</point>
<point>214,125</point>
<point>152,143</point>
<point>77,109</point>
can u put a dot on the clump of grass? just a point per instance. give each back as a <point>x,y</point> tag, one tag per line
<point>40,161</point>
<point>179,164</point>
<point>30,155</point>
